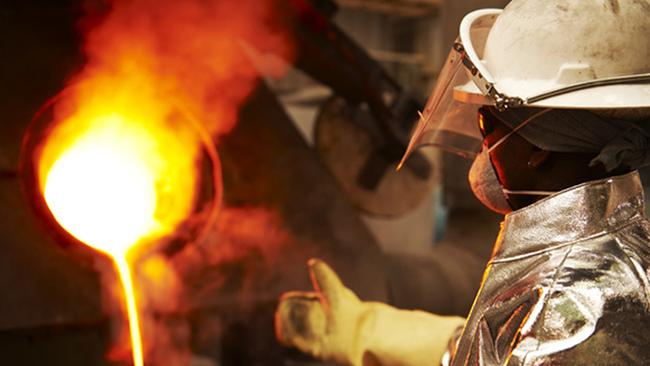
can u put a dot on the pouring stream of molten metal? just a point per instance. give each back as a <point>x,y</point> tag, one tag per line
<point>114,185</point>
<point>132,309</point>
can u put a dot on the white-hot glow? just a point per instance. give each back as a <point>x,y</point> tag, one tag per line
<point>102,191</point>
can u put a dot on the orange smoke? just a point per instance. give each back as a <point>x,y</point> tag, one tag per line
<point>119,166</point>
<point>257,241</point>
<point>188,50</point>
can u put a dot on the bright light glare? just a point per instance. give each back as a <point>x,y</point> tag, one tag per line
<point>102,192</point>
<point>118,173</point>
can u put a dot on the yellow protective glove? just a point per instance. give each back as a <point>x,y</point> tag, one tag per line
<point>332,324</point>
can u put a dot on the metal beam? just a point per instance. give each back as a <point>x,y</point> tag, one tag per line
<point>405,8</point>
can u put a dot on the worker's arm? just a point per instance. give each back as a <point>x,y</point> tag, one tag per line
<point>332,324</point>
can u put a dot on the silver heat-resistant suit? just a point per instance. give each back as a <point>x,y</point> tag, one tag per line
<point>568,284</point>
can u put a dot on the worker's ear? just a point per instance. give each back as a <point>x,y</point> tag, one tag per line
<point>538,158</point>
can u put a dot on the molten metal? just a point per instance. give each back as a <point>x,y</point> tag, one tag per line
<point>116,183</point>
<point>131,308</point>
<point>102,190</point>
<point>118,169</point>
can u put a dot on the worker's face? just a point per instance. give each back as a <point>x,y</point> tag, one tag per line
<point>510,158</point>
<point>520,165</point>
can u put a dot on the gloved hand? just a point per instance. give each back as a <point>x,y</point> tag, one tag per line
<point>332,324</point>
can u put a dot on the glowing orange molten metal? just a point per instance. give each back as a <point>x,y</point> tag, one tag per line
<point>115,182</point>
<point>118,169</point>
<point>102,190</point>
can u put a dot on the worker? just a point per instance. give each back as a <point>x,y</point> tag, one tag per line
<point>561,89</point>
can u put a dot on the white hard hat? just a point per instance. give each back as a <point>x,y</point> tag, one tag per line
<point>573,54</point>
<point>535,47</point>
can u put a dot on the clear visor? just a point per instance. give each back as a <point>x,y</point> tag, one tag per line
<point>449,120</point>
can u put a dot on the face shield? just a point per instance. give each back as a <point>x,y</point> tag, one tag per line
<point>449,120</point>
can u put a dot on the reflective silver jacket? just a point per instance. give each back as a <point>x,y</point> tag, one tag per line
<point>568,283</point>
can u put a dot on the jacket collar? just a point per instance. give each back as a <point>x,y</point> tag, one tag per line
<point>577,213</point>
